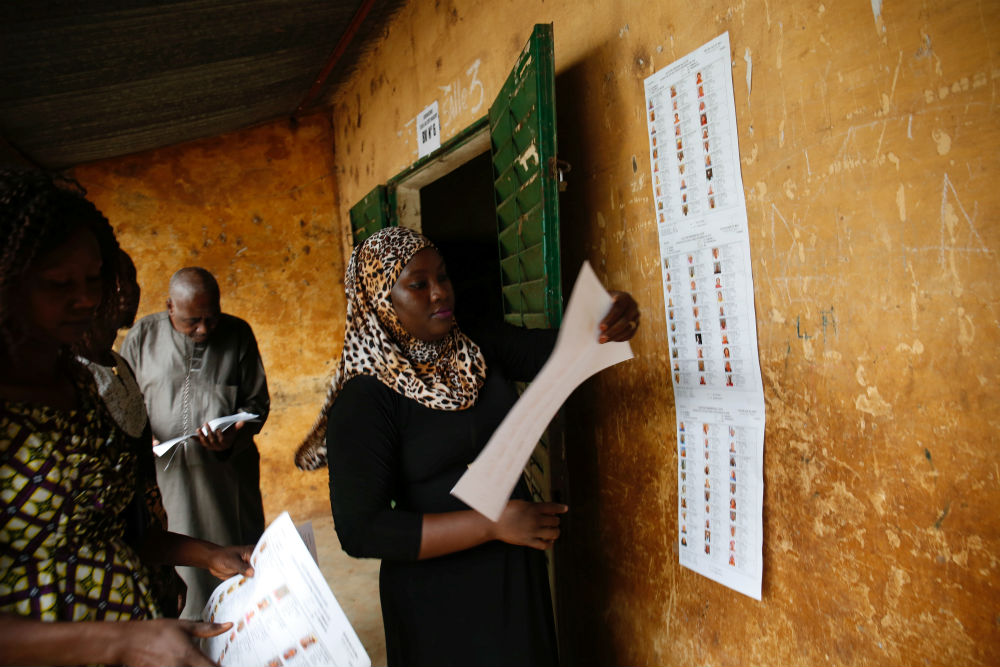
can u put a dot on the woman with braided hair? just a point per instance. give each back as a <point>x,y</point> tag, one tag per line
<point>413,401</point>
<point>74,521</point>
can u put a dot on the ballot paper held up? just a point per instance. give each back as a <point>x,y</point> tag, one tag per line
<point>487,484</point>
<point>285,614</point>
<point>217,424</point>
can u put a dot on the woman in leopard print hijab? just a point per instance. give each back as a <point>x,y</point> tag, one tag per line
<point>445,374</point>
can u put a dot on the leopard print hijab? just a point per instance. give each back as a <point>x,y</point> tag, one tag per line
<point>443,375</point>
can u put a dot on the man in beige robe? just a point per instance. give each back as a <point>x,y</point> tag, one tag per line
<point>195,363</point>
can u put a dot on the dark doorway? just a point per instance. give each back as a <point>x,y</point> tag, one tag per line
<point>458,215</point>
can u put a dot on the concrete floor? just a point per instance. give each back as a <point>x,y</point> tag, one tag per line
<point>354,582</point>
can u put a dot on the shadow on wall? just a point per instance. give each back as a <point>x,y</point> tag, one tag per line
<point>583,589</point>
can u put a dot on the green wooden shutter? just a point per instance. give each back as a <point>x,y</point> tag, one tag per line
<point>526,190</point>
<point>370,214</point>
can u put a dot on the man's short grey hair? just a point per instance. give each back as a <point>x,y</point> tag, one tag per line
<point>193,280</point>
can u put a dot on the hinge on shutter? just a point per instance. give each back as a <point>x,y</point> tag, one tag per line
<point>558,170</point>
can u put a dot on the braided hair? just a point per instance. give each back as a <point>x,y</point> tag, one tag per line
<point>40,211</point>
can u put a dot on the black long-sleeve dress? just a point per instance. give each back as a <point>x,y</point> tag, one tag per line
<point>392,460</point>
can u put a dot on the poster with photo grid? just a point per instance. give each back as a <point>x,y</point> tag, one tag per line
<point>711,321</point>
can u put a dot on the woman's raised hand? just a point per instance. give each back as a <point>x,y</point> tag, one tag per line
<point>528,524</point>
<point>622,321</point>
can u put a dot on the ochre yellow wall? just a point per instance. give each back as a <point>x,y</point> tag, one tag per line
<point>258,209</point>
<point>869,142</point>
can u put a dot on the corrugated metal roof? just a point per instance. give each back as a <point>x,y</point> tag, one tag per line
<point>86,80</point>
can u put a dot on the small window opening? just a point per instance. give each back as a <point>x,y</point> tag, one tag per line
<point>457,213</point>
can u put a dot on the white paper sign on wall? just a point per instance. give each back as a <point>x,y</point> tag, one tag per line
<point>428,130</point>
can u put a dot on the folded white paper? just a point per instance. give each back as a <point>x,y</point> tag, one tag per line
<point>487,484</point>
<point>217,424</point>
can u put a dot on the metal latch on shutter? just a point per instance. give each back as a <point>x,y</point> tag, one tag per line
<point>558,170</point>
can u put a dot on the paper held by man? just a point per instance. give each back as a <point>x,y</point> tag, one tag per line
<point>487,484</point>
<point>217,424</point>
<point>285,614</point>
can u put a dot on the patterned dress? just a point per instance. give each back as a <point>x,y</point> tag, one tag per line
<point>67,484</point>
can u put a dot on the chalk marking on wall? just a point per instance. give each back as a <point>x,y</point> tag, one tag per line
<point>809,172</point>
<point>877,12</point>
<point>786,280</point>
<point>901,202</point>
<point>878,146</point>
<point>639,183</point>
<point>776,212</point>
<point>749,61</point>
<point>949,220</point>
<point>458,97</point>
<point>798,330</point>
<point>842,161</point>
<point>781,45</point>
<point>966,331</point>
<point>887,99</point>
<point>828,320</point>
<point>649,268</point>
<point>822,278</point>
<point>909,128</point>
<point>914,291</point>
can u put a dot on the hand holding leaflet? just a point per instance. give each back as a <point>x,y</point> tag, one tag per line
<point>487,484</point>
<point>217,424</point>
<point>285,614</point>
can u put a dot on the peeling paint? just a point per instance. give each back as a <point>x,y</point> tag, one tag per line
<point>916,348</point>
<point>942,141</point>
<point>872,403</point>
<point>789,187</point>
<point>529,154</point>
<point>966,331</point>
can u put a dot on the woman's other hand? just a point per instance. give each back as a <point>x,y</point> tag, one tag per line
<point>530,524</point>
<point>166,642</point>
<point>225,562</point>
<point>622,321</point>
<point>163,641</point>
<point>175,549</point>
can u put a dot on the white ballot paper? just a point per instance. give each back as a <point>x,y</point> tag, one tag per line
<point>283,615</point>
<point>487,484</point>
<point>217,424</point>
<point>708,294</point>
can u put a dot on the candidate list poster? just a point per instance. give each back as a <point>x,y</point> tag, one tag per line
<point>708,295</point>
